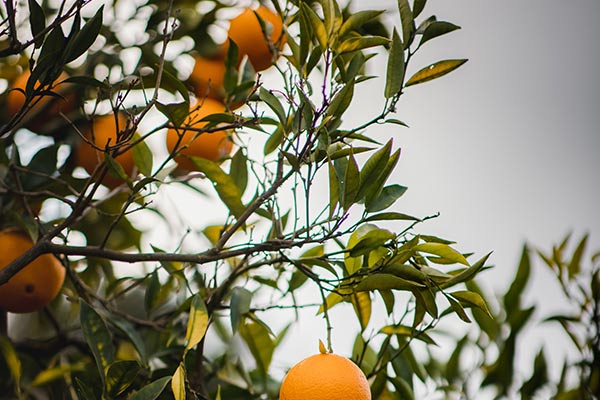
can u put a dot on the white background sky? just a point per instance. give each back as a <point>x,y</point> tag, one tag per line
<point>505,148</point>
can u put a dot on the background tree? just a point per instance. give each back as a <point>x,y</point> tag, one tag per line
<point>102,127</point>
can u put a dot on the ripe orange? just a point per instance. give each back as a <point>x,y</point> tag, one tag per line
<point>325,377</point>
<point>246,32</point>
<point>34,287</point>
<point>208,77</point>
<point>104,129</point>
<point>46,108</point>
<point>212,146</point>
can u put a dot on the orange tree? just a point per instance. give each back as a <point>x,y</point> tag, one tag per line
<point>156,305</point>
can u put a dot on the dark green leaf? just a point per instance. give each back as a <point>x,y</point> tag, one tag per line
<point>358,19</point>
<point>274,140</point>
<point>260,343</point>
<point>538,378</point>
<point>273,102</point>
<point>386,198</point>
<point>152,390</point>
<point>391,216</point>
<point>341,100</point>
<point>437,28</point>
<point>418,7</point>
<point>351,183</point>
<point>97,336</point>
<point>386,282</point>
<point>466,274</point>
<point>130,331</point>
<point>395,67</point>
<point>142,156</point>
<point>239,170</point>
<point>37,22</point>
<point>408,22</point>
<point>240,306</point>
<point>119,376</point>
<point>435,71</point>
<point>175,112</point>
<point>361,43</point>
<point>512,298</point>
<point>373,168</point>
<point>316,24</point>
<point>85,37</point>
<point>371,241</point>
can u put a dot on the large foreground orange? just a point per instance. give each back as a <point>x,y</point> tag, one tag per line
<point>245,30</point>
<point>212,146</point>
<point>325,377</point>
<point>34,287</point>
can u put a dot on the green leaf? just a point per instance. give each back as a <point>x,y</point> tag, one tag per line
<point>152,390</point>
<point>12,361</point>
<point>418,7</point>
<point>353,264</point>
<point>538,379</point>
<point>512,298</point>
<point>197,322</point>
<point>119,376</point>
<point>351,183</point>
<point>178,383</point>
<point>376,188</point>
<point>371,241</point>
<point>224,184</point>
<point>471,299</point>
<point>317,26</point>
<point>453,369</point>
<point>391,216</point>
<point>37,22</point>
<point>260,343</point>
<point>176,113</point>
<point>239,170</point>
<point>386,282</point>
<point>331,300</point>
<point>441,250</point>
<point>85,37</point>
<point>426,297</point>
<point>465,274</point>
<point>130,331</point>
<point>403,330</point>
<point>341,101</point>
<point>395,67</point>
<point>142,156</point>
<point>575,263</point>
<point>239,305</point>
<point>437,28</point>
<point>434,71</point>
<point>458,309</point>
<point>361,301</point>
<point>373,168</point>
<point>152,291</point>
<point>361,43</point>
<point>274,140</point>
<point>115,168</point>
<point>48,58</point>
<point>97,336</point>
<point>386,199</point>
<point>274,104</point>
<point>357,20</point>
<point>407,272</point>
<point>408,22</point>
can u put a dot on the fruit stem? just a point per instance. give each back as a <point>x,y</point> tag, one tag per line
<point>326,316</point>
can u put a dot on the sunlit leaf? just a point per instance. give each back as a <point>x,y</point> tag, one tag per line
<point>178,383</point>
<point>197,322</point>
<point>441,250</point>
<point>316,24</point>
<point>435,71</point>
<point>361,301</point>
<point>472,299</point>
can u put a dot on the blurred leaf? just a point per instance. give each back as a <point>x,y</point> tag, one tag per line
<point>142,156</point>
<point>472,299</point>
<point>176,113</point>
<point>151,293</point>
<point>361,43</point>
<point>333,189</point>
<point>152,390</point>
<point>12,361</point>
<point>119,376</point>
<point>395,67</point>
<point>403,388</point>
<point>197,322</point>
<point>435,71</point>
<point>53,373</point>
<point>240,306</point>
<point>512,298</point>
<point>391,216</point>
<point>575,263</point>
<point>274,140</point>
<point>437,28</point>
<point>458,309</point>
<point>260,343</point>
<point>466,274</point>
<point>441,250</point>
<point>225,186</point>
<point>322,348</point>
<point>178,383</point>
<point>538,379</point>
<point>97,336</point>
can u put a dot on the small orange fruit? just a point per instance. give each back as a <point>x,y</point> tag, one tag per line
<point>104,129</point>
<point>325,377</point>
<point>212,146</point>
<point>46,108</point>
<point>245,30</point>
<point>36,285</point>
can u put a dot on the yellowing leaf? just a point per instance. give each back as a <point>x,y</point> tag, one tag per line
<point>322,348</point>
<point>434,71</point>
<point>178,383</point>
<point>197,324</point>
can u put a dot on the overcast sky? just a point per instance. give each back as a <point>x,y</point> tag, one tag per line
<point>505,148</point>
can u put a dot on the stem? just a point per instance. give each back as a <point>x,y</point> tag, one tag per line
<point>3,322</point>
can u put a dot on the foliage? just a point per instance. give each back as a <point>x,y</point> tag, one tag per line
<point>141,333</point>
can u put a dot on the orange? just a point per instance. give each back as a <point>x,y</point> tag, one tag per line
<point>246,32</point>
<point>104,129</point>
<point>46,108</point>
<point>208,77</point>
<point>325,377</point>
<point>34,287</point>
<point>212,146</point>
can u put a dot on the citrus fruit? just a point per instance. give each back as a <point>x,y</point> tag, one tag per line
<point>208,77</point>
<point>34,287</point>
<point>42,109</point>
<point>245,30</point>
<point>104,130</point>
<point>212,146</point>
<point>325,377</point>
